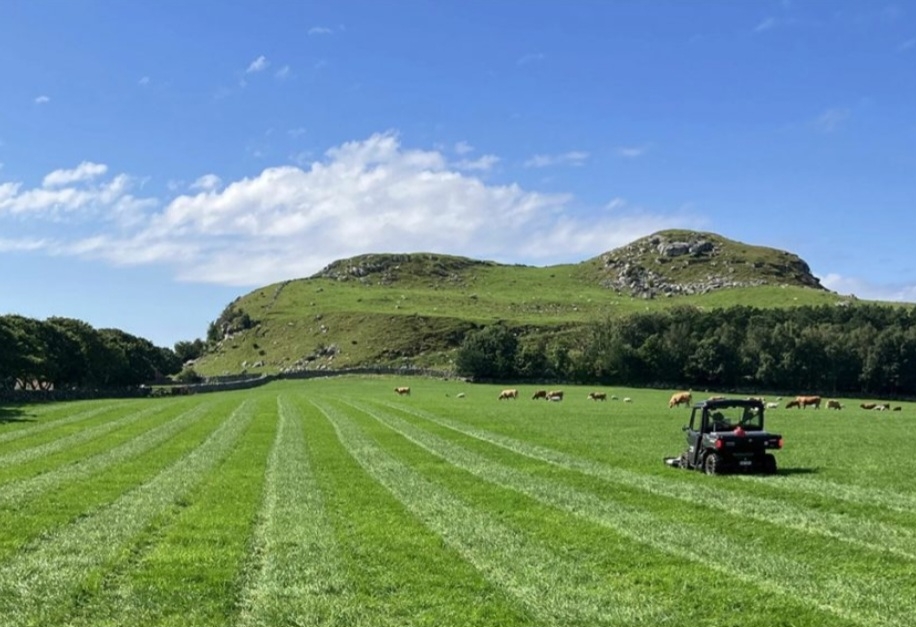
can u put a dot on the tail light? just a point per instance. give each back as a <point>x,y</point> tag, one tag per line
<point>779,443</point>
<point>719,444</point>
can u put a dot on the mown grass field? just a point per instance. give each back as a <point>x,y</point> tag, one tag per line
<point>337,502</point>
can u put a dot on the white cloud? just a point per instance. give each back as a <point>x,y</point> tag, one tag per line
<point>373,195</point>
<point>615,204</point>
<point>765,25</point>
<point>868,290</point>
<point>482,164</point>
<point>207,182</point>
<point>831,119</point>
<point>296,132</point>
<point>530,58</point>
<point>463,148</point>
<point>143,82</point>
<point>282,73</point>
<point>21,245</point>
<point>302,158</point>
<point>320,30</point>
<point>631,152</point>
<point>42,100</point>
<point>73,195</point>
<point>573,158</point>
<point>85,171</point>
<point>258,65</point>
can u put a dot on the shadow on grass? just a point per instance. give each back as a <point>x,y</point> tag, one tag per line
<point>785,472</point>
<point>13,414</point>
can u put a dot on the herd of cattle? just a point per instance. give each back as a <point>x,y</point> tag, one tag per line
<point>800,402</point>
<point>683,398</point>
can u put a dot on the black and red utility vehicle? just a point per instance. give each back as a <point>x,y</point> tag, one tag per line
<point>727,435</point>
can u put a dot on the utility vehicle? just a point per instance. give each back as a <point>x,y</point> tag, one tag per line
<point>727,435</point>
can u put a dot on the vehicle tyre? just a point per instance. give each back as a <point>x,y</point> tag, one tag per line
<point>712,465</point>
<point>769,464</point>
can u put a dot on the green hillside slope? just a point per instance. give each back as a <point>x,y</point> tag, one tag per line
<point>398,309</point>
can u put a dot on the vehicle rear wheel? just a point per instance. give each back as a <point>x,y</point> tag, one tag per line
<point>712,465</point>
<point>769,464</point>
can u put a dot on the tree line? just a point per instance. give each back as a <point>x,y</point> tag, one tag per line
<point>855,349</point>
<point>64,353</point>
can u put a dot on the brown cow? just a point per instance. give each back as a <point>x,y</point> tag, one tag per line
<point>597,396</point>
<point>804,401</point>
<point>513,393</point>
<point>555,395</point>
<point>833,404</point>
<point>868,405</point>
<point>539,394</point>
<point>792,404</point>
<point>679,398</point>
<point>403,391</point>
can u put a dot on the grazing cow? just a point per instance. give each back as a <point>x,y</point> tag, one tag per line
<point>716,398</point>
<point>791,404</point>
<point>403,391</point>
<point>459,395</point>
<point>832,404</point>
<point>772,405</point>
<point>613,397</point>
<point>804,401</point>
<point>868,405</point>
<point>898,408</point>
<point>679,398</point>
<point>597,396</point>
<point>539,394</point>
<point>513,393</point>
<point>627,399</point>
<point>555,395</point>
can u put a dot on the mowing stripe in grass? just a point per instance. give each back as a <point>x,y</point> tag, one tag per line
<point>183,569</point>
<point>871,534</point>
<point>860,495</point>
<point>24,522</point>
<point>47,426</point>
<point>25,489</point>
<point>299,577</point>
<point>851,598</point>
<point>555,590</point>
<point>35,582</point>
<point>79,437</point>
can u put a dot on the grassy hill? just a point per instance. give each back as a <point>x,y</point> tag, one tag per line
<point>415,308</point>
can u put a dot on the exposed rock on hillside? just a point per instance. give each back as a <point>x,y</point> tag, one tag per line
<point>672,263</point>
<point>388,268</point>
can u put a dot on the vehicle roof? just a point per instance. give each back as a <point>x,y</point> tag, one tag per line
<point>728,402</point>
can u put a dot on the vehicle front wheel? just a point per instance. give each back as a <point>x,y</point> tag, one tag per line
<point>713,464</point>
<point>769,464</point>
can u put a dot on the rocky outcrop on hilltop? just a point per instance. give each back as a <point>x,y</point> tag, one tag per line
<point>673,263</point>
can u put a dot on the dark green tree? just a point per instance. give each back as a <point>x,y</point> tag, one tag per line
<point>489,353</point>
<point>189,350</point>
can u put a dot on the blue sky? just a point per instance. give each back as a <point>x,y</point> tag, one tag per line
<point>161,158</point>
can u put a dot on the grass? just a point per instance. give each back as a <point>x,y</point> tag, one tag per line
<point>336,502</point>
